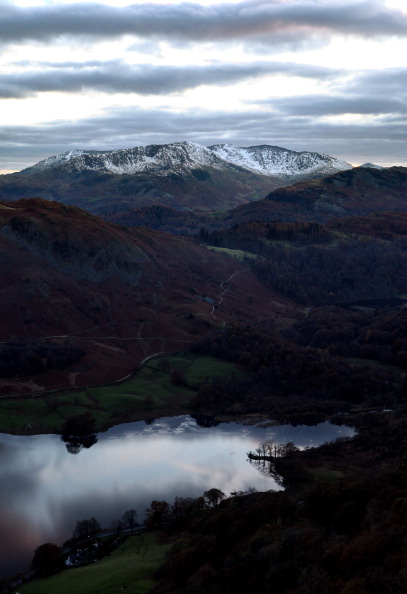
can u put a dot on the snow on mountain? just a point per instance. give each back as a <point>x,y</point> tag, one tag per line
<point>178,157</point>
<point>372,166</point>
<point>59,159</point>
<point>182,157</point>
<point>274,160</point>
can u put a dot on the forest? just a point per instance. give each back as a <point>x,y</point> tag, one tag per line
<point>317,264</point>
<point>291,381</point>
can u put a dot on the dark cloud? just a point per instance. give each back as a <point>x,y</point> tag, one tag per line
<point>380,141</point>
<point>193,22</point>
<point>145,79</point>
<point>361,92</point>
<point>388,82</point>
<point>311,105</point>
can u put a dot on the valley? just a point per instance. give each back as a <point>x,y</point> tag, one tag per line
<point>289,307</point>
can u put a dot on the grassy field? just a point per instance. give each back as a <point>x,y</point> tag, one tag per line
<point>128,569</point>
<point>163,387</point>
<point>240,255</point>
<point>325,474</point>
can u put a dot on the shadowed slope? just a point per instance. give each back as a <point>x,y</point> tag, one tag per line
<point>121,294</point>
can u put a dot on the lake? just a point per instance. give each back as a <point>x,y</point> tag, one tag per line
<point>44,489</point>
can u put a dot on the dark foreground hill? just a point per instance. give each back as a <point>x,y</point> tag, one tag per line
<point>95,299</point>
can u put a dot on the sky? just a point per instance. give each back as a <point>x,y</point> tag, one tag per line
<point>319,75</point>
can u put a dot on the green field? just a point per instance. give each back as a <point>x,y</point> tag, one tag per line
<point>325,474</point>
<point>240,255</point>
<point>128,569</point>
<point>162,387</point>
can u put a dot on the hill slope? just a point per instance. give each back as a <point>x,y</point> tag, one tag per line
<point>359,191</point>
<point>119,294</point>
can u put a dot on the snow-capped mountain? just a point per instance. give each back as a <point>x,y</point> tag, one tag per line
<point>178,157</point>
<point>372,166</point>
<point>274,160</point>
<point>183,176</point>
<point>181,157</point>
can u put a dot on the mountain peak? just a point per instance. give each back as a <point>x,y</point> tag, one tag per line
<point>275,160</point>
<point>184,156</point>
<point>183,175</point>
<point>372,166</point>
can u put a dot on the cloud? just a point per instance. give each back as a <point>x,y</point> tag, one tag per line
<point>115,76</point>
<point>193,22</point>
<point>389,82</point>
<point>372,92</point>
<point>312,105</point>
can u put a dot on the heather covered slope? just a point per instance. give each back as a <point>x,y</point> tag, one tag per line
<point>118,294</point>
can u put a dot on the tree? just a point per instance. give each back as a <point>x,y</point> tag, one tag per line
<point>130,518</point>
<point>156,513</point>
<point>214,496</point>
<point>47,559</point>
<point>79,432</point>
<point>85,528</point>
<point>79,425</point>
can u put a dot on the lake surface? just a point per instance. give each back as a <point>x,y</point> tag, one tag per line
<point>44,489</point>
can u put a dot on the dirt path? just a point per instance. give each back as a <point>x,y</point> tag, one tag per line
<point>225,290</point>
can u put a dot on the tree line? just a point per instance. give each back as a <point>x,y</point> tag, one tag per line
<point>49,558</point>
<point>289,381</point>
<point>30,356</point>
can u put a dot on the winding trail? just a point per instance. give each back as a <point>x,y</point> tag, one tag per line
<point>225,290</point>
<point>147,358</point>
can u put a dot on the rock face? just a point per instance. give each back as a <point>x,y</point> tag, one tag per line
<point>182,175</point>
<point>118,294</point>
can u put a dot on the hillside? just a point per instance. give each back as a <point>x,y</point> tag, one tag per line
<point>78,283</point>
<point>347,259</point>
<point>359,191</point>
<point>182,175</point>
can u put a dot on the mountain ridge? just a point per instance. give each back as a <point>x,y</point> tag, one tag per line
<point>185,176</point>
<point>180,156</point>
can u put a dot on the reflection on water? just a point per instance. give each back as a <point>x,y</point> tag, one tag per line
<point>44,490</point>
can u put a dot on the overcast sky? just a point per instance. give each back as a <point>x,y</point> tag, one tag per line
<point>319,75</point>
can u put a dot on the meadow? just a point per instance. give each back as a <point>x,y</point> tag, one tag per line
<point>162,387</point>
